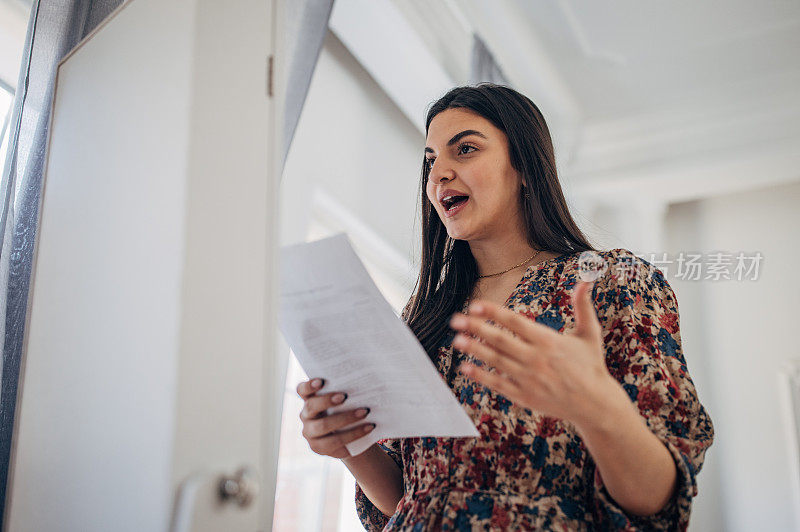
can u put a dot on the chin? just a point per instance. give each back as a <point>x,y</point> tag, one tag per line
<point>457,233</point>
<point>459,229</point>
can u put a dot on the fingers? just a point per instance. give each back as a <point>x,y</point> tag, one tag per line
<point>318,428</point>
<point>500,340</point>
<point>323,432</point>
<point>494,381</point>
<point>333,445</point>
<point>310,387</point>
<point>525,328</point>
<point>318,404</point>
<point>488,354</point>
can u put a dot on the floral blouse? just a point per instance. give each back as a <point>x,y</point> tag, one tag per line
<point>528,471</point>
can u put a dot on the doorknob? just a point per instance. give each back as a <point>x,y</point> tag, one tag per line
<point>241,487</point>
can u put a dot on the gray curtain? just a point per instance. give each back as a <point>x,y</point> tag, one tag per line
<point>55,27</point>
<point>483,67</point>
<point>305,25</point>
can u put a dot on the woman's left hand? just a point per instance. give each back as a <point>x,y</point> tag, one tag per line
<point>560,375</point>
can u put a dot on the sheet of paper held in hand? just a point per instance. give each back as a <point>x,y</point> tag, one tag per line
<point>342,329</point>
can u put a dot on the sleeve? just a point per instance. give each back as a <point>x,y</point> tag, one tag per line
<point>639,315</point>
<point>371,517</point>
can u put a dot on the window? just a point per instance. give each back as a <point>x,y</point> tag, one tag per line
<point>6,101</point>
<point>314,493</point>
<point>317,493</point>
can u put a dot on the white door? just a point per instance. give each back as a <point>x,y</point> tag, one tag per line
<point>150,338</point>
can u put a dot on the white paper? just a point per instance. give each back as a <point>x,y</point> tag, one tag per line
<point>342,329</point>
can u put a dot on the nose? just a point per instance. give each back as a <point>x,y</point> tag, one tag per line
<point>440,172</point>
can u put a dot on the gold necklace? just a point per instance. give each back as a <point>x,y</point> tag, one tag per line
<point>511,268</point>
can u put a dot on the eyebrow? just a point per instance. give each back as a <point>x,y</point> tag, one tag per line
<point>458,137</point>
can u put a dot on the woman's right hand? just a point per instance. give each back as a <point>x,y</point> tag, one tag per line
<point>320,430</point>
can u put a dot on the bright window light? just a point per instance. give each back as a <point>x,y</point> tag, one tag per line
<point>6,99</point>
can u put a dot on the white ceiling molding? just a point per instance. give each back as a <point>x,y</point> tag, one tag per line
<point>388,47</point>
<point>684,133</point>
<point>710,174</point>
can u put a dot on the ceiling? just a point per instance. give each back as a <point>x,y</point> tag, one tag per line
<point>689,95</point>
<point>630,57</point>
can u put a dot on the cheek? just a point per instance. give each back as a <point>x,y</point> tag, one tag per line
<point>429,192</point>
<point>496,201</point>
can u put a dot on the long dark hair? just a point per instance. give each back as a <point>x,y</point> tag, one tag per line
<point>448,270</point>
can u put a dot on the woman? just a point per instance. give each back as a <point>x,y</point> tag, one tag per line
<point>588,417</point>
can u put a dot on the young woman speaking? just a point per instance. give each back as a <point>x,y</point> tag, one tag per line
<point>588,417</point>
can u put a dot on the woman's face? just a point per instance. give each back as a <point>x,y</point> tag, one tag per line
<point>469,157</point>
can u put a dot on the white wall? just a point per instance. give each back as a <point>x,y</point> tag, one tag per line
<point>736,335</point>
<point>681,224</point>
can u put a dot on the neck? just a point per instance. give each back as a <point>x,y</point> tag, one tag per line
<point>498,254</point>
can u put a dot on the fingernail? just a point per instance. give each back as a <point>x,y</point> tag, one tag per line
<point>339,398</point>
<point>369,427</point>
<point>316,383</point>
<point>362,412</point>
<point>476,307</point>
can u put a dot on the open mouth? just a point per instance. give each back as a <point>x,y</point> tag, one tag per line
<point>453,202</point>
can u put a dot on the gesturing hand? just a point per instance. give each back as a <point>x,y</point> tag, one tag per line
<point>560,375</point>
